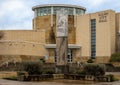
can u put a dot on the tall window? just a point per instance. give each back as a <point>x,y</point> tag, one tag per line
<point>69,56</point>
<point>93,38</point>
<point>55,57</point>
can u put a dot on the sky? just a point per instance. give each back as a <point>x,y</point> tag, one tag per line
<point>18,14</point>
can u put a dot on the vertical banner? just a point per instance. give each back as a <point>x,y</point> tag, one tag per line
<point>62,23</point>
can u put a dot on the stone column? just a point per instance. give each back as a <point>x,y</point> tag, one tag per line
<point>62,47</point>
<point>62,41</point>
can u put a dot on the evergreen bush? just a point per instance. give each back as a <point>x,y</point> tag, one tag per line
<point>94,69</point>
<point>33,68</point>
<point>90,61</point>
<point>115,57</point>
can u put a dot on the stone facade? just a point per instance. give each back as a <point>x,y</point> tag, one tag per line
<point>22,45</point>
<point>105,34</point>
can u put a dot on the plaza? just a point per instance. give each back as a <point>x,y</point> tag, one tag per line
<point>62,82</point>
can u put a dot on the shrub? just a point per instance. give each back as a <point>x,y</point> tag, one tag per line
<point>94,69</point>
<point>112,77</point>
<point>48,71</point>
<point>90,61</point>
<point>115,57</point>
<point>81,72</point>
<point>42,60</point>
<point>33,68</point>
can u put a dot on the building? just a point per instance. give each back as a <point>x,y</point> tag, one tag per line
<point>94,35</point>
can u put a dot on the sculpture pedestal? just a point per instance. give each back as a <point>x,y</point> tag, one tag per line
<point>62,69</point>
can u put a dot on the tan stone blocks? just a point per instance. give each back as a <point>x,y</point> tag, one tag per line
<point>102,59</point>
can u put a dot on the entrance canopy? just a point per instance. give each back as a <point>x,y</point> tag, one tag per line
<point>74,46</point>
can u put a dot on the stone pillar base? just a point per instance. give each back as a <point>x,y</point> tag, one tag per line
<point>62,69</point>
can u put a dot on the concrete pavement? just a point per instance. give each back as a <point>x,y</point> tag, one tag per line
<point>62,82</point>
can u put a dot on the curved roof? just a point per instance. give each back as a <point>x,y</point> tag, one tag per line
<point>62,5</point>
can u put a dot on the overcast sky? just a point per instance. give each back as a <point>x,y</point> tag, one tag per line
<point>17,14</point>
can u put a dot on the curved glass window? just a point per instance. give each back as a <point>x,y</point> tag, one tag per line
<point>47,10</point>
<point>43,11</point>
<point>79,11</point>
<point>55,9</point>
<point>68,9</point>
